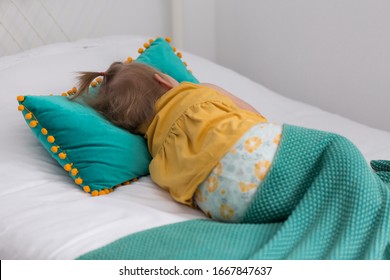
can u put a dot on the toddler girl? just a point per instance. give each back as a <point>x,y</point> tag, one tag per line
<point>314,199</point>
<point>209,148</point>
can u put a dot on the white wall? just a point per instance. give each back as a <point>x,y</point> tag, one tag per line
<point>330,53</point>
<point>194,25</point>
<point>334,54</point>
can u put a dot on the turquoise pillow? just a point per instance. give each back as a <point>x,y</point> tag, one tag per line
<point>98,155</point>
<point>160,55</point>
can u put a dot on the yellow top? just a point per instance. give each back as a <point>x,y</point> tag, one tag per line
<point>193,128</point>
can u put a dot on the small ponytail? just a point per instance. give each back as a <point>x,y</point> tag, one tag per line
<point>85,80</point>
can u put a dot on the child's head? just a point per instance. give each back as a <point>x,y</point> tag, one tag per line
<point>128,93</point>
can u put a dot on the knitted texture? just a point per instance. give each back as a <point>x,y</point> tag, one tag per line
<point>320,200</point>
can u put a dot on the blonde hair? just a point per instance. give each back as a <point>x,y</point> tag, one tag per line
<point>127,94</point>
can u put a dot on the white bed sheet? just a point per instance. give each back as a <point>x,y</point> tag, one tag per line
<point>43,215</point>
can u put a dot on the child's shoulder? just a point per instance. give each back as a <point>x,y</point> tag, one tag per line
<point>189,88</point>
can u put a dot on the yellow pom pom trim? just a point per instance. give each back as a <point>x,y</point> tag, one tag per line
<point>50,139</point>
<point>95,193</point>
<point>33,124</point>
<point>129,60</point>
<point>68,166</point>
<point>62,155</point>
<point>74,171</point>
<point>78,181</point>
<point>54,149</point>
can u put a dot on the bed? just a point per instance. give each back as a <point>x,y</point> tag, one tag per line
<point>44,216</point>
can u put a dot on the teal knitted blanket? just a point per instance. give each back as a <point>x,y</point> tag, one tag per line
<point>320,200</point>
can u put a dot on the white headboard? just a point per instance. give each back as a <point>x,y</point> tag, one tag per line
<point>25,24</point>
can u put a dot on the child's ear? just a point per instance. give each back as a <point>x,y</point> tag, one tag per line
<point>163,82</point>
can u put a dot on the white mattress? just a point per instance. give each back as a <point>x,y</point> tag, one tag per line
<point>43,215</point>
